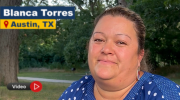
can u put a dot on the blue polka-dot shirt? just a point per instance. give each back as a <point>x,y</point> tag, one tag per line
<point>149,87</point>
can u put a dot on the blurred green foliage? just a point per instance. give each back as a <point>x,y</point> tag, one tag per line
<point>65,47</point>
<point>163,32</point>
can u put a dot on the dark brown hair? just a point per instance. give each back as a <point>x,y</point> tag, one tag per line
<point>138,23</point>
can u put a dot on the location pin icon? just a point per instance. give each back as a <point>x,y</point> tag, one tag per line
<point>6,23</point>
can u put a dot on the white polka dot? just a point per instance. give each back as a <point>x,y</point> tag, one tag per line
<point>179,94</point>
<point>66,92</point>
<point>74,98</point>
<point>81,81</point>
<point>142,87</point>
<point>152,75</point>
<point>177,86</point>
<point>77,89</point>
<point>149,92</point>
<point>85,94</point>
<point>150,82</point>
<point>83,91</point>
<point>136,93</point>
<point>162,96</point>
<point>86,77</point>
<point>132,98</point>
<point>155,94</point>
<point>82,99</point>
<point>71,90</point>
<point>82,88</point>
<point>62,99</point>
<point>69,99</point>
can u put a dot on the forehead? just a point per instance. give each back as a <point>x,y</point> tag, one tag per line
<point>115,25</point>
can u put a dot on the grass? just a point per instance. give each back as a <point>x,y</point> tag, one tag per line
<point>50,91</point>
<point>177,81</point>
<point>171,72</point>
<point>54,75</point>
<point>76,76</point>
<point>68,75</point>
<point>174,77</point>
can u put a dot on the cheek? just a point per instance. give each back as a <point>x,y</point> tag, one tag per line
<point>122,54</point>
<point>127,55</point>
<point>93,54</point>
<point>94,50</point>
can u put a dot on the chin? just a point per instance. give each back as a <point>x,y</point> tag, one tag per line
<point>104,74</point>
<point>104,77</point>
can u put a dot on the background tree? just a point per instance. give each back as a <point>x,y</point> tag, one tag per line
<point>125,3</point>
<point>74,34</point>
<point>36,49</point>
<point>9,50</point>
<point>65,47</point>
<point>162,22</point>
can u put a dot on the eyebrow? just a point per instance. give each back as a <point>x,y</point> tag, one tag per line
<point>124,34</point>
<point>116,34</point>
<point>98,32</point>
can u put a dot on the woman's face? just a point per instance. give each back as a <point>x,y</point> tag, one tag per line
<point>113,49</point>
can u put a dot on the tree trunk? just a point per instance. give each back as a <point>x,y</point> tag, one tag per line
<point>9,50</point>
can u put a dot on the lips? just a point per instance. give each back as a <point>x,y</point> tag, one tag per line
<point>106,61</point>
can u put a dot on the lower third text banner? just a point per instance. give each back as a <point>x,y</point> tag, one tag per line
<point>27,23</point>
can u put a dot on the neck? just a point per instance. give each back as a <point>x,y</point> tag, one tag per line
<point>101,94</point>
<point>112,92</point>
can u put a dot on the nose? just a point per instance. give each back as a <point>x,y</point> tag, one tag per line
<point>107,48</point>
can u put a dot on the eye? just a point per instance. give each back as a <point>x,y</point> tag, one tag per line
<point>121,43</point>
<point>98,40</point>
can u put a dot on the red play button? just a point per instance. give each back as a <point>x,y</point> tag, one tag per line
<point>36,86</point>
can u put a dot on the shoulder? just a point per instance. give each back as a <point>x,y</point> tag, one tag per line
<point>157,84</point>
<point>77,89</point>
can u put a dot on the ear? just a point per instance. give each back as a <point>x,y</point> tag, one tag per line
<point>140,56</point>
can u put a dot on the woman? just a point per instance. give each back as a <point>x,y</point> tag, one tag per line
<point>115,53</point>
